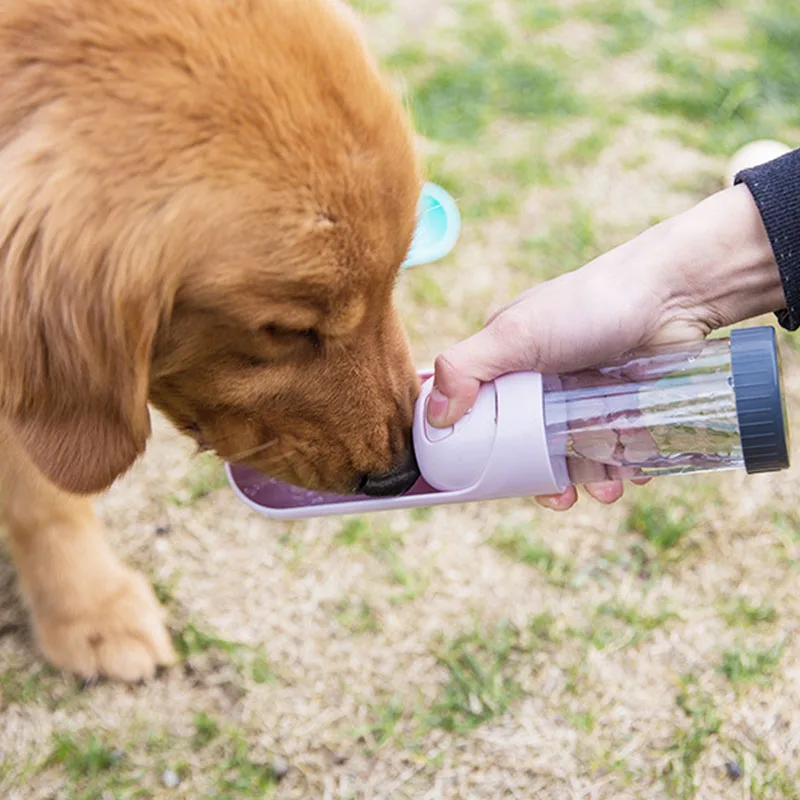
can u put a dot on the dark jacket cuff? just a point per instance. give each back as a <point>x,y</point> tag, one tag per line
<point>775,186</point>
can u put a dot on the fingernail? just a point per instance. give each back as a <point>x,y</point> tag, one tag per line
<point>553,503</point>
<point>438,406</point>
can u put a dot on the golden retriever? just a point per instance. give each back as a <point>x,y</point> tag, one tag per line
<point>204,205</point>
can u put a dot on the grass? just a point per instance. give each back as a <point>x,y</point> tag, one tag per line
<point>663,526</point>
<point>206,731</point>
<point>241,776</point>
<point>563,248</point>
<point>630,620</point>
<point>479,686</point>
<point>741,612</point>
<point>457,97</point>
<point>458,101</point>
<point>192,640</point>
<point>751,665</point>
<point>40,685</point>
<point>206,476</point>
<point>94,767</point>
<point>384,720</point>
<point>690,741</point>
<point>367,535</point>
<point>357,617</point>
<point>371,6</point>
<point>626,26</point>
<point>518,545</point>
<point>731,105</point>
<point>84,760</point>
<point>426,290</point>
<point>543,628</point>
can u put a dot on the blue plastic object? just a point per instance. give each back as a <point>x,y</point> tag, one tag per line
<point>438,227</point>
<point>759,403</point>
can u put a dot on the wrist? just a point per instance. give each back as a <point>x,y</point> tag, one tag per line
<point>717,266</point>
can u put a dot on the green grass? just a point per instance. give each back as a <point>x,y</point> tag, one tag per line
<point>206,476</point>
<point>412,583</point>
<point>371,6</point>
<point>480,684</point>
<point>690,742</point>
<point>381,728</point>
<point>664,526</point>
<point>564,247</point>
<point>367,535</point>
<point>740,612</point>
<point>751,665</point>
<point>538,16</point>
<point>775,784</point>
<point>425,289</point>
<point>84,759</point>
<point>635,622</point>
<point>94,767</point>
<point>357,617</point>
<point>206,730</point>
<point>165,590</point>
<point>518,545</point>
<point>543,628</point>
<point>40,685</point>
<point>459,100</point>
<point>787,522</point>
<point>192,640</point>
<point>242,776</point>
<point>421,514</point>
<point>456,97</point>
<point>731,105</point>
<point>587,149</point>
<point>620,625</point>
<point>584,721</point>
<point>626,26</point>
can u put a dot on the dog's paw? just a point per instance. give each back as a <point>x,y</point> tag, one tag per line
<point>121,635</point>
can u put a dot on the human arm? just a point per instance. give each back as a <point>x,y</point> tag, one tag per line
<point>706,268</point>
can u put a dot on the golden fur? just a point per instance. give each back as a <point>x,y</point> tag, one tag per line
<point>203,205</point>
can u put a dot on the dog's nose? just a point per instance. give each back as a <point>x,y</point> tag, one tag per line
<point>390,484</point>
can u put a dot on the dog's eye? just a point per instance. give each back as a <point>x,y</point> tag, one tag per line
<point>281,333</point>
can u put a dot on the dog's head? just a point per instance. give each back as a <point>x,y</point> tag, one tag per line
<point>204,205</point>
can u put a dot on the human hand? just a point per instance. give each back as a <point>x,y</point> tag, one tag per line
<point>709,267</point>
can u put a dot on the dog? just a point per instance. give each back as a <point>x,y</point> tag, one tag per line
<point>204,206</point>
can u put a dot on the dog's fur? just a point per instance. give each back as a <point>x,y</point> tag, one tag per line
<point>203,205</point>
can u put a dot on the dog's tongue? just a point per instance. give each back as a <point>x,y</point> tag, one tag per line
<point>438,227</point>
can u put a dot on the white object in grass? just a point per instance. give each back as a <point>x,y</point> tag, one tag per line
<point>754,155</point>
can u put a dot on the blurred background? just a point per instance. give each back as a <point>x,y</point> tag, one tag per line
<point>494,650</point>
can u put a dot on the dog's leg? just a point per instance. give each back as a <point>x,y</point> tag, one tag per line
<point>91,615</point>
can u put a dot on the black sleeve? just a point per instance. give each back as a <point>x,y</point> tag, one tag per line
<point>776,189</point>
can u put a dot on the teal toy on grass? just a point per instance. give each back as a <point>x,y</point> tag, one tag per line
<point>438,227</point>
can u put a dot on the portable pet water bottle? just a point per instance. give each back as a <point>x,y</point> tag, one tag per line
<point>714,405</point>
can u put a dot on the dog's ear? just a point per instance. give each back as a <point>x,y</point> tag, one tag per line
<point>78,316</point>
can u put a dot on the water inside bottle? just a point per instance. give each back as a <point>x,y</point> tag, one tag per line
<point>662,413</point>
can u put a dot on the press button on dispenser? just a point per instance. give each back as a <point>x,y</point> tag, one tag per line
<point>434,435</point>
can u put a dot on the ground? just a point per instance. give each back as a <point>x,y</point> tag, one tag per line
<point>494,650</point>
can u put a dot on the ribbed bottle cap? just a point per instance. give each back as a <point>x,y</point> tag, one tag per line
<point>759,400</point>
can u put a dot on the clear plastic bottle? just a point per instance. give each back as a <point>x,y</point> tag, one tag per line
<point>707,407</point>
<point>657,413</point>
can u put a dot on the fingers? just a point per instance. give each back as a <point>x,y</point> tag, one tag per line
<point>504,345</point>
<point>559,502</point>
<point>607,493</point>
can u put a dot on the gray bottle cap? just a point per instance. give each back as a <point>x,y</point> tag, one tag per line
<point>759,400</point>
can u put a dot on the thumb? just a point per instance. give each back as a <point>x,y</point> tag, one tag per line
<point>504,345</point>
